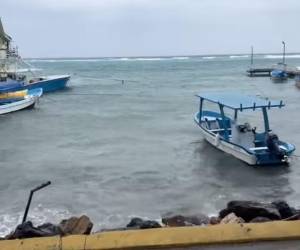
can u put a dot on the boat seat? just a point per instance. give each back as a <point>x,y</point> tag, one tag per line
<point>211,124</point>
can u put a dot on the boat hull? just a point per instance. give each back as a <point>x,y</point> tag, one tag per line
<point>16,106</point>
<point>50,84</point>
<point>279,75</point>
<point>238,151</point>
<point>28,102</point>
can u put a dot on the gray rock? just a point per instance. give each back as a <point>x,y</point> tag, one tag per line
<point>75,225</point>
<point>27,230</point>
<point>249,210</point>
<point>138,223</point>
<point>284,209</point>
<point>181,221</point>
<point>260,219</point>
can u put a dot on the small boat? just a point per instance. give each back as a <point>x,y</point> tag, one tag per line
<point>8,105</point>
<point>279,75</point>
<point>13,80</point>
<point>243,141</point>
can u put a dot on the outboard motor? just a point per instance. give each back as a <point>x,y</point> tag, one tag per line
<point>273,145</point>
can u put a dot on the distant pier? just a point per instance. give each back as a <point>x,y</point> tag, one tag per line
<point>266,72</point>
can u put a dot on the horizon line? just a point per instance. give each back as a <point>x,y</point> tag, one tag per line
<point>158,56</point>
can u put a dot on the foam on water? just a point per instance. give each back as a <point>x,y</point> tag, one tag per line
<point>23,70</point>
<point>280,56</point>
<point>37,215</point>
<point>238,56</point>
<point>208,57</point>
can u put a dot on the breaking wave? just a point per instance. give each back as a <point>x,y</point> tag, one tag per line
<point>208,57</point>
<point>38,216</point>
<point>239,56</point>
<point>280,56</point>
<point>23,70</point>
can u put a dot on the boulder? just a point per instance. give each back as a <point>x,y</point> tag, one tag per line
<point>138,223</point>
<point>181,221</point>
<point>249,210</point>
<point>214,220</point>
<point>284,209</point>
<point>259,219</point>
<point>27,230</point>
<point>231,218</point>
<point>75,225</point>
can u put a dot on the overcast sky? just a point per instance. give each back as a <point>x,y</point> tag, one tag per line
<point>91,28</point>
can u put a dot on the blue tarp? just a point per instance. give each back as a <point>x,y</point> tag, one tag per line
<point>240,101</point>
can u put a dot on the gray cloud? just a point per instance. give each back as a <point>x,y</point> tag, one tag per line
<point>51,28</point>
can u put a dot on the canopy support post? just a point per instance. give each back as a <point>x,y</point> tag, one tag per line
<point>266,119</point>
<point>226,134</point>
<point>200,109</point>
<point>235,114</point>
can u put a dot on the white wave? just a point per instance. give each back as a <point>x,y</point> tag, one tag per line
<point>151,58</point>
<point>208,57</point>
<point>38,215</point>
<point>180,58</point>
<point>280,56</point>
<point>67,60</point>
<point>109,59</point>
<point>238,56</point>
<point>141,59</point>
<point>23,70</point>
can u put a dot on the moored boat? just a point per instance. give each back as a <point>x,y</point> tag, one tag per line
<point>279,75</point>
<point>240,139</point>
<point>13,80</point>
<point>8,105</point>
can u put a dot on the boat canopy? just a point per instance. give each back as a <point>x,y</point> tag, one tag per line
<point>237,101</point>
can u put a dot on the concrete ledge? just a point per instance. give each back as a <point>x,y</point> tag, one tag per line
<point>164,237</point>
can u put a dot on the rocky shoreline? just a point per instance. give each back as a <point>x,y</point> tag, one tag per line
<point>235,212</point>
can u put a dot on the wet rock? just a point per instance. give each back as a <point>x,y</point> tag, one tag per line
<point>27,230</point>
<point>138,223</point>
<point>249,210</point>
<point>284,209</point>
<point>181,221</point>
<point>75,225</point>
<point>231,219</point>
<point>214,220</point>
<point>259,219</point>
<point>50,229</point>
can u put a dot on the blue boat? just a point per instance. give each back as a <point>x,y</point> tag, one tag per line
<point>279,75</point>
<point>225,130</point>
<point>9,105</point>
<point>47,83</point>
<point>11,80</point>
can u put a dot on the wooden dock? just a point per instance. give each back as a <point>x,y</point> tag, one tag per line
<point>266,72</point>
<point>259,72</point>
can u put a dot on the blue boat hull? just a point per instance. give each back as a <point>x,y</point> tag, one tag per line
<point>279,75</point>
<point>49,84</point>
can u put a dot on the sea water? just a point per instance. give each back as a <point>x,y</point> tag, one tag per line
<point>121,141</point>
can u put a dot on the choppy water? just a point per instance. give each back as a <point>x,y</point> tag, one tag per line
<point>116,150</point>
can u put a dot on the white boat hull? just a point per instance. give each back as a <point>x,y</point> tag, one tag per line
<point>227,147</point>
<point>29,101</point>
